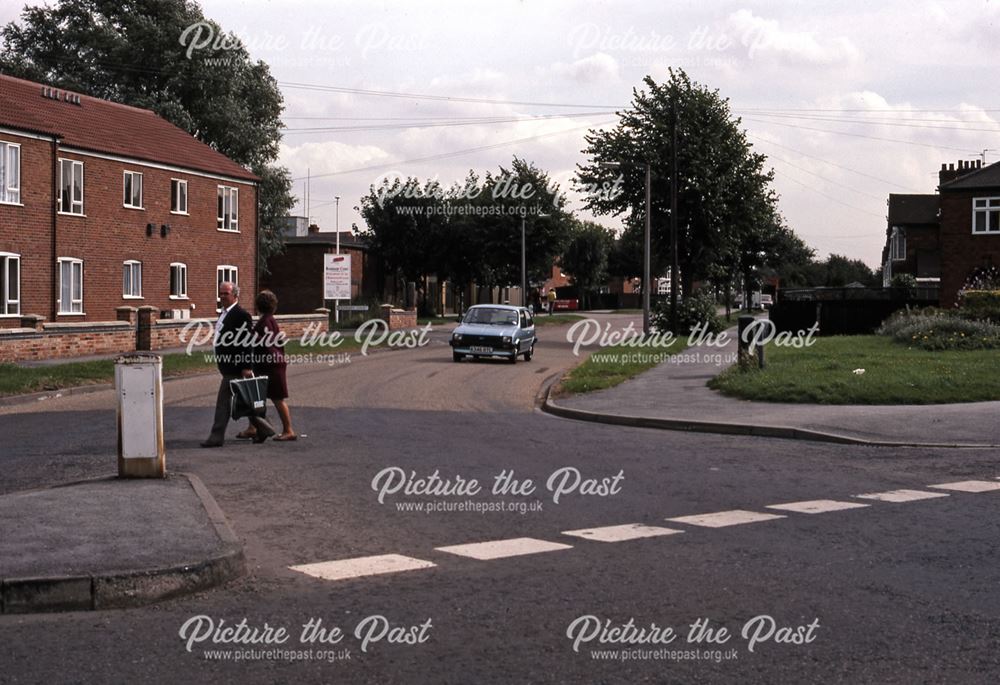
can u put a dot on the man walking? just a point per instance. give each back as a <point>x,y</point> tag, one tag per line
<point>234,357</point>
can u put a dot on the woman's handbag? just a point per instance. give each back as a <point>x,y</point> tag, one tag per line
<point>249,397</point>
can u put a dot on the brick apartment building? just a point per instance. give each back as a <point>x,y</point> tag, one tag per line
<point>105,206</point>
<point>947,236</point>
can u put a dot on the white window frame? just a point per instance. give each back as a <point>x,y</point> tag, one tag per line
<point>75,205</point>
<point>10,192</point>
<point>228,198</point>
<point>897,245</point>
<point>76,303</point>
<point>130,204</point>
<point>987,207</point>
<point>182,280</point>
<point>175,205</point>
<point>6,302</point>
<point>131,268</point>
<point>221,271</point>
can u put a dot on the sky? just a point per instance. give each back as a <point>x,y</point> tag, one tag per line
<point>850,101</point>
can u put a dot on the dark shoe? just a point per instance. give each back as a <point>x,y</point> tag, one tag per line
<point>211,443</point>
<point>260,436</point>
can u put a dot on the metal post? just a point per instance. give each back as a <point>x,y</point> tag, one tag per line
<point>646,278</point>
<point>336,226</point>
<point>673,222</point>
<point>524,273</point>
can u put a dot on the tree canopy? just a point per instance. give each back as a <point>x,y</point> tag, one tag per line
<point>727,214</point>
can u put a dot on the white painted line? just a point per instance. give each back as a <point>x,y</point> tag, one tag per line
<point>968,486</point>
<point>629,531</point>
<point>817,506</point>
<point>362,566</point>
<point>901,495</point>
<point>498,549</point>
<point>722,519</point>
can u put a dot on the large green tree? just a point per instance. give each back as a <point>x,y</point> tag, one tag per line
<point>585,259</point>
<point>722,183</point>
<point>156,54</point>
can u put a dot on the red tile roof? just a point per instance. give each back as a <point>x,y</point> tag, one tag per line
<point>108,127</point>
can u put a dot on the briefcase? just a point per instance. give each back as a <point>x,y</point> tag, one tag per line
<point>249,397</point>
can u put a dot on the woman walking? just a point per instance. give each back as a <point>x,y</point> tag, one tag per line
<point>269,360</point>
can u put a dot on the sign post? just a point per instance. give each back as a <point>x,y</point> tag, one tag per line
<point>337,276</point>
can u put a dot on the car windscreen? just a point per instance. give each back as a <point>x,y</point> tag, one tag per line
<point>487,315</point>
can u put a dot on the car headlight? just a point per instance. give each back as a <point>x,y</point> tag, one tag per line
<point>506,340</point>
<point>457,337</point>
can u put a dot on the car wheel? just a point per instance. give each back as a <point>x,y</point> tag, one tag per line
<point>456,357</point>
<point>527,355</point>
<point>513,357</point>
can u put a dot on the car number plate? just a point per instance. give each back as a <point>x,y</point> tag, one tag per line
<point>480,348</point>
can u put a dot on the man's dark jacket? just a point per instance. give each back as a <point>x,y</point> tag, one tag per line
<point>237,328</point>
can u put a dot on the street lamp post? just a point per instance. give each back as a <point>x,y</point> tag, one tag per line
<point>336,227</point>
<point>646,249</point>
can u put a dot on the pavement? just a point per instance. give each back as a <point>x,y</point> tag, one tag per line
<point>674,395</point>
<point>111,543</point>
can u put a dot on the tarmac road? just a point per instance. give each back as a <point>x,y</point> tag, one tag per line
<point>898,592</point>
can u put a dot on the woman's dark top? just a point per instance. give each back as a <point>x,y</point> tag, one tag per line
<point>270,359</point>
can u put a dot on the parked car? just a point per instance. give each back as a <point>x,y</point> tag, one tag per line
<point>766,301</point>
<point>494,330</point>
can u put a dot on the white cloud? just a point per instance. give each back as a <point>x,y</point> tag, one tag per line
<point>766,38</point>
<point>596,68</point>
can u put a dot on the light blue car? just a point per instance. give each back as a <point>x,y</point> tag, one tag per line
<point>494,330</point>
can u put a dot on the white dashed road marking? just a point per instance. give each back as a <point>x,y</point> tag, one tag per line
<point>629,531</point>
<point>498,549</point>
<point>902,495</point>
<point>362,566</point>
<point>818,506</point>
<point>968,486</point>
<point>722,519</point>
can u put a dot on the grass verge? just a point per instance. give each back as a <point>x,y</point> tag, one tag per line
<point>556,319</point>
<point>893,374</point>
<point>611,366</point>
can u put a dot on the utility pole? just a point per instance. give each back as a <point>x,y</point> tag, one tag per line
<point>673,218</point>
<point>336,226</point>
<point>524,273</point>
<point>646,240</point>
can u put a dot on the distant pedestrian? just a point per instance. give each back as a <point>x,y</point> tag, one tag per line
<point>552,301</point>
<point>234,357</point>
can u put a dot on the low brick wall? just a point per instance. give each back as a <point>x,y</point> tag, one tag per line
<point>35,340</point>
<point>398,318</point>
<point>66,340</point>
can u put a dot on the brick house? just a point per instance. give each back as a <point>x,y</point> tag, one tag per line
<point>949,235</point>
<point>105,206</point>
<point>296,275</point>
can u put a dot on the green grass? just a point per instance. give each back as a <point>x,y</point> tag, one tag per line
<point>894,374</point>
<point>612,366</point>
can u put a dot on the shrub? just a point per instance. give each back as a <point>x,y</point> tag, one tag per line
<point>980,305</point>
<point>691,311</point>
<point>940,331</point>
<point>903,281</point>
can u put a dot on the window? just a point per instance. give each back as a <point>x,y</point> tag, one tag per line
<point>132,279</point>
<point>178,281</point>
<point>10,284</point>
<point>133,189</point>
<point>225,273</point>
<point>986,215</point>
<point>70,186</point>
<point>897,244</point>
<point>178,196</point>
<point>228,208</point>
<point>10,173</point>
<point>70,286</point>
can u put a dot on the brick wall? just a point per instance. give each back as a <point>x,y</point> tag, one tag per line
<point>27,230</point>
<point>36,340</point>
<point>296,276</point>
<point>961,250</point>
